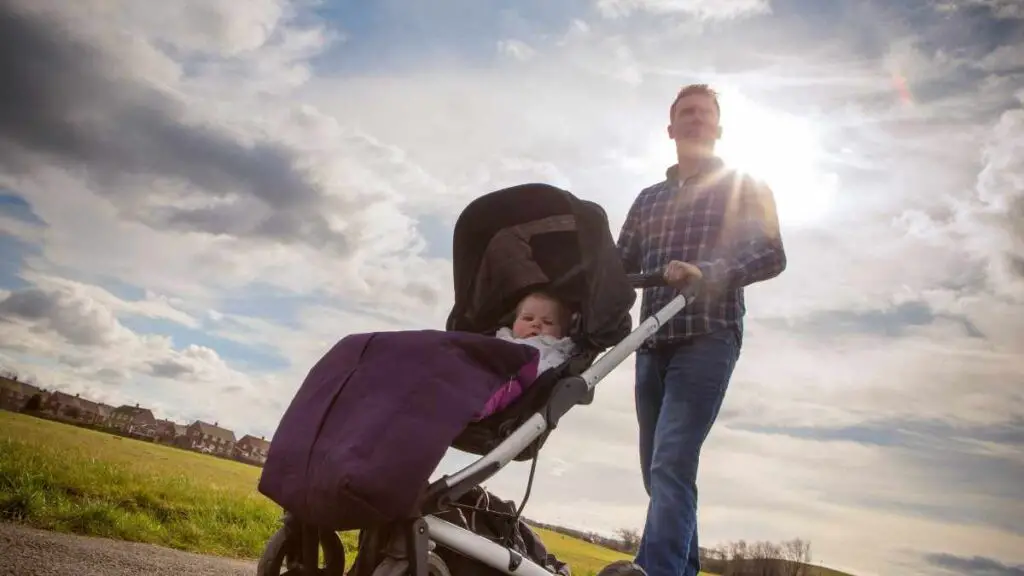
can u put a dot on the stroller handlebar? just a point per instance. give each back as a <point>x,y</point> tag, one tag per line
<point>656,279</point>
<point>647,279</point>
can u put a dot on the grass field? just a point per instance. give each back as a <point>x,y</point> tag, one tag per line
<point>63,478</point>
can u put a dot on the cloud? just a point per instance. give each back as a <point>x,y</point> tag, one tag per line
<point>102,115</point>
<point>95,354</point>
<point>703,9</point>
<point>979,461</point>
<point>516,49</point>
<point>1006,9</point>
<point>975,566</point>
<point>75,319</point>
<point>67,99</point>
<point>986,225</point>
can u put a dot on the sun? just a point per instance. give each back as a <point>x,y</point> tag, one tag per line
<point>783,151</point>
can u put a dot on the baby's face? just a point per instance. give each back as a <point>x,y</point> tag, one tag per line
<point>537,316</point>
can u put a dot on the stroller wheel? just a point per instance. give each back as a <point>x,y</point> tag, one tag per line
<point>282,556</point>
<point>622,568</point>
<point>436,566</point>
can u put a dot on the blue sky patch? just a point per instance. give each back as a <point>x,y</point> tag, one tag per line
<point>15,206</point>
<point>13,251</point>
<point>394,35</point>
<point>260,300</point>
<point>122,290</point>
<point>438,235</point>
<point>240,356</point>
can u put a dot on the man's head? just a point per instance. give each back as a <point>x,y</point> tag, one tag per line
<point>540,313</point>
<point>694,118</point>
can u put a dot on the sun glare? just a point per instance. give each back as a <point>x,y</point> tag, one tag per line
<point>780,149</point>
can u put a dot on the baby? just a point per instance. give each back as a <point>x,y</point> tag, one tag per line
<point>542,322</point>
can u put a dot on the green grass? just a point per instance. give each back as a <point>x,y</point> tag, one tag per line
<point>64,478</point>
<point>582,557</point>
<point>68,479</point>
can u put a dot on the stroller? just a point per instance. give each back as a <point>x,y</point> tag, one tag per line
<point>374,417</point>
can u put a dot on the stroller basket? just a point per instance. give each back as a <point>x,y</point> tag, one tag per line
<point>374,417</point>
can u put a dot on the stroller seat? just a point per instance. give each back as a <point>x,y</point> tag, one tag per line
<point>537,237</point>
<point>482,436</point>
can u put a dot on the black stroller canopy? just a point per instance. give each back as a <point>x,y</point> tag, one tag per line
<point>513,241</point>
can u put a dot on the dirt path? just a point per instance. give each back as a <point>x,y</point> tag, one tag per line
<point>30,552</point>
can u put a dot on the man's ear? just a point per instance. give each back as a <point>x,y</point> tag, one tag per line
<point>719,133</point>
<point>668,130</point>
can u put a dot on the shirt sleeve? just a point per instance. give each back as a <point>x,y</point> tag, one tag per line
<point>751,249</point>
<point>629,239</point>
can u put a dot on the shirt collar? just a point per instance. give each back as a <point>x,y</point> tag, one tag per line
<point>709,164</point>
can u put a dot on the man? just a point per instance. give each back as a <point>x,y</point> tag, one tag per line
<point>704,227</point>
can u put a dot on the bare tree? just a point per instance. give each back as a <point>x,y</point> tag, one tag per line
<point>795,557</point>
<point>630,539</point>
<point>762,558</point>
<point>34,404</point>
<point>714,560</point>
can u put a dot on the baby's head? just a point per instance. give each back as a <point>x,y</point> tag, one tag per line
<point>540,313</point>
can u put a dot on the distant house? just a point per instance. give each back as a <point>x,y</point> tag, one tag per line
<point>210,438</point>
<point>169,431</point>
<point>65,406</point>
<point>96,413</point>
<point>252,449</point>
<point>15,394</point>
<point>133,420</point>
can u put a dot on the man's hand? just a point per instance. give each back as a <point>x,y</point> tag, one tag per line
<point>681,275</point>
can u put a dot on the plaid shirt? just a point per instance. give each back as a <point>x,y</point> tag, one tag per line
<point>722,222</point>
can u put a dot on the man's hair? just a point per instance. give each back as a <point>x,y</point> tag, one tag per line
<point>694,89</point>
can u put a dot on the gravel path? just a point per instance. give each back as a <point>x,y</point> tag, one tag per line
<point>29,552</point>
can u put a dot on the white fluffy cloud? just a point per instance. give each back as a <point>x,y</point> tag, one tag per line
<point>704,9</point>
<point>219,192</point>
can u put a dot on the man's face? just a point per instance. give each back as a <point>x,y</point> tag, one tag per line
<point>695,120</point>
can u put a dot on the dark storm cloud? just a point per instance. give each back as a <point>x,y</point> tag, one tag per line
<point>65,101</point>
<point>892,322</point>
<point>74,317</point>
<point>974,566</point>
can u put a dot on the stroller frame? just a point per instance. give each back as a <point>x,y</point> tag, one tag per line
<point>411,543</point>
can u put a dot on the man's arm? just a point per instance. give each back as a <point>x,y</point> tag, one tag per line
<point>629,239</point>
<point>751,249</point>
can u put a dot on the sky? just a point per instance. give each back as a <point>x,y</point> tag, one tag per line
<point>199,198</point>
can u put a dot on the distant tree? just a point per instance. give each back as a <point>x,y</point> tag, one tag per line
<point>714,560</point>
<point>34,404</point>
<point>795,556</point>
<point>762,558</point>
<point>630,538</point>
<point>740,558</point>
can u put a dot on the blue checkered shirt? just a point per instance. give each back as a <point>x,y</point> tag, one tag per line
<point>721,221</point>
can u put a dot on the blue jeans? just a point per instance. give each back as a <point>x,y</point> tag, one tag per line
<point>679,390</point>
